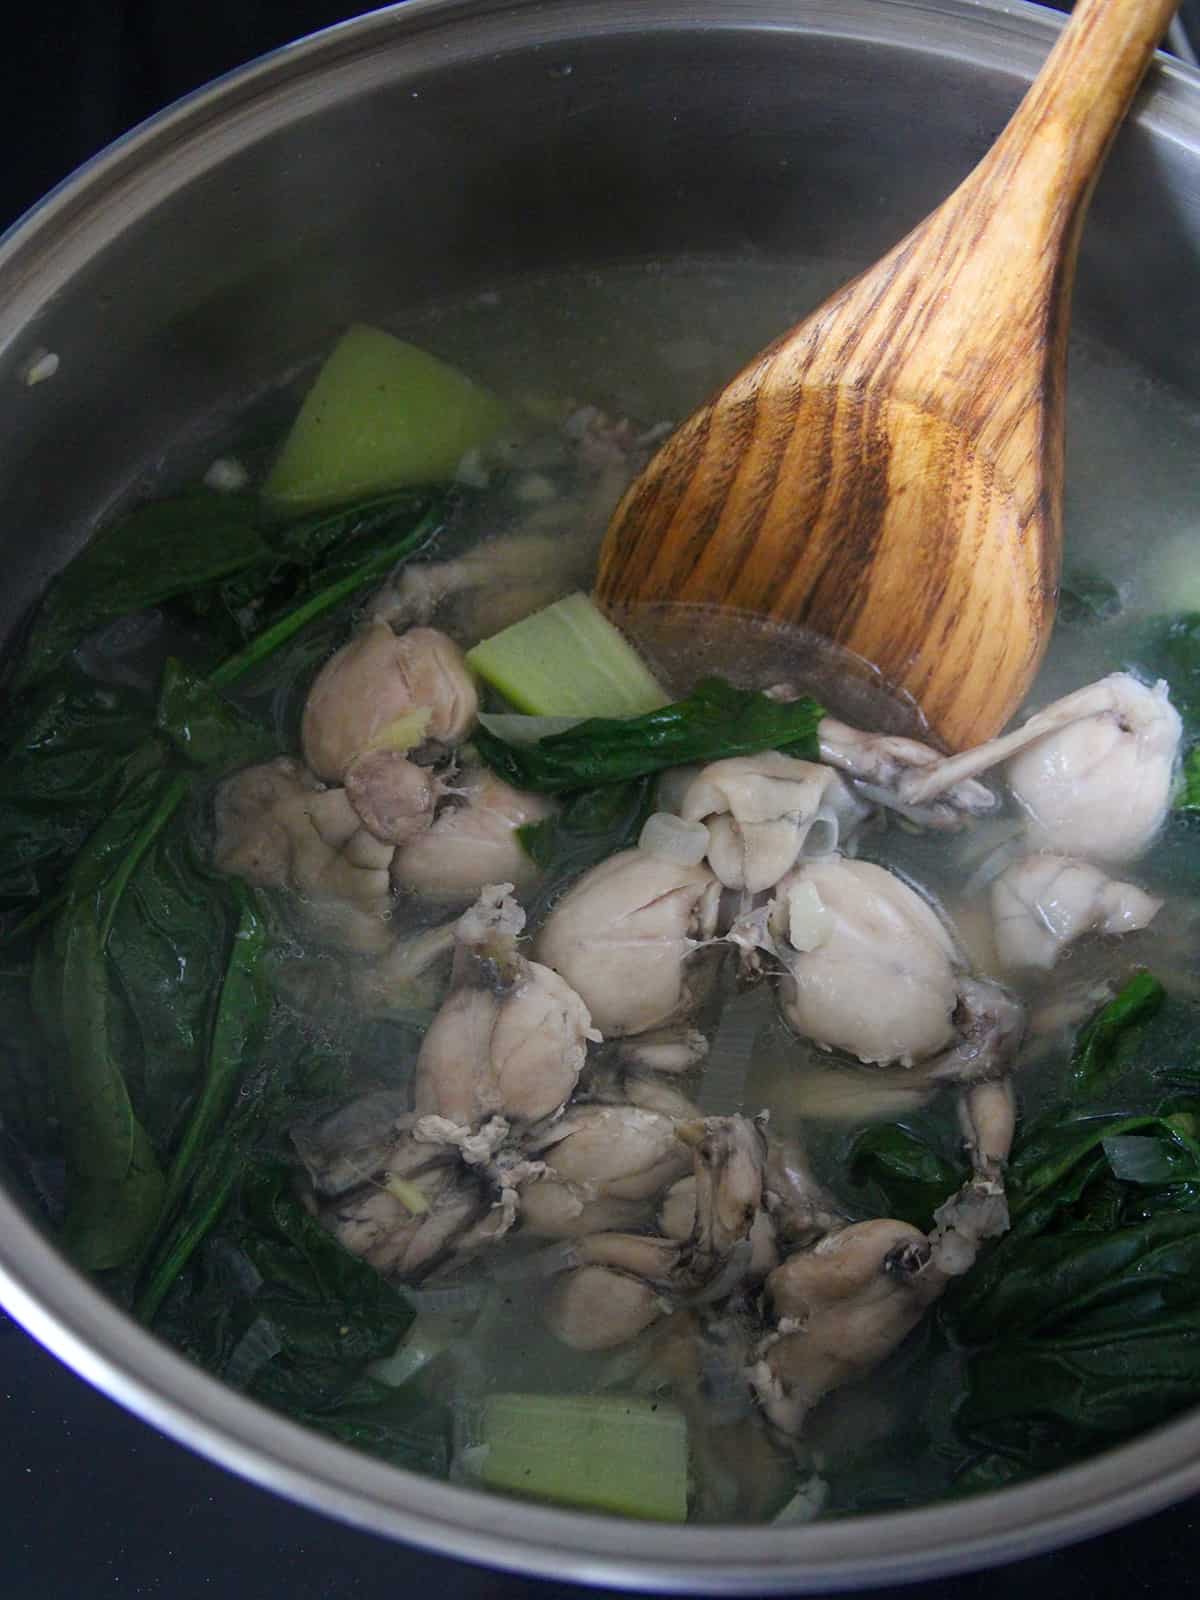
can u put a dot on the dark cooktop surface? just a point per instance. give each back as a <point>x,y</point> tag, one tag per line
<point>95,1503</point>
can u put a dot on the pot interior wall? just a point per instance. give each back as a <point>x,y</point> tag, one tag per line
<point>443,177</point>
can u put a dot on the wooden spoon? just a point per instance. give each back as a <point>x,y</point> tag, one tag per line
<point>889,473</point>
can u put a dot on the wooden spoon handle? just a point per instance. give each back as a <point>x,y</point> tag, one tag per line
<point>1055,144</point>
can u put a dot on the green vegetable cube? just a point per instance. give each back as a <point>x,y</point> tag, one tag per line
<point>381,415</point>
<point>594,1452</point>
<point>568,660</point>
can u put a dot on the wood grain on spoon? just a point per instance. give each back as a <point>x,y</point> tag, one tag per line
<point>889,472</point>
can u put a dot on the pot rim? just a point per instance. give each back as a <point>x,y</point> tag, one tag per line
<point>67,1314</point>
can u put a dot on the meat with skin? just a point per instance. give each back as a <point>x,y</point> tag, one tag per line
<point>886,768</point>
<point>729,1160</point>
<point>621,936</point>
<point>511,1037</point>
<point>763,812</point>
<point>598,1308</point>
<point>1092,772</point>
<point>880,938</point>
<point>841,930</point>
<point>378,680</point>
<point>277,827</point>
<point>677,1218</point>
<point>612,1151</point>
<point>840,1309</point>
<point>613,1083</point>
<point>1042,904</point>
<point>400,1203</point>
<point>674,1049</point>
<point>394,798</point>
<point>729,1168</point>
<point>553,1208</point>
<point>987,1113</point>
<point>604,1164</point>
<point>472,841</point>
<point>404,1230</point>
<point>359,1141</point>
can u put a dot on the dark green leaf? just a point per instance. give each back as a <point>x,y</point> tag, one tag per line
<point>1142,1158</point>
<point>204,727</point>
<point>1188,797</point>
<point>326,1314</point>
<point>1097,1048</point>
<point>109,1220</point>
<point>1169,647</point>
<point>211,1182</point>
<point>294,1071</point>
<point>1085,599</point>
<point>161,549</point>
<point>408,1426</point>
<point>97,1116</point>
<point>114,1182</point>
<point>311,541</point>
<point>62,765</point>
<point>328,592</point>
<point>168,948</point>
<point>1083,1322</point>
<point>1052,1148</point>
<point>27,1108</point>
<point>714,721</point>
<point>238,1027</point>
<point>906,1177</point>
<point>309,554</point>
<point>592,825</point>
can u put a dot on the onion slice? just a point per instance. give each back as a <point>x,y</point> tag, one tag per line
<point>515,728</point>
<point>672,839</point>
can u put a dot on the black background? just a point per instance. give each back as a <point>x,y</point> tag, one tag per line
<point>93,1503</point>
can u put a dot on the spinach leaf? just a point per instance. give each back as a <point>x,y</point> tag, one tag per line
<point>318,1316</point>
<point>306,555</point>
<point>330,589</point>
<point>206,729</point>
<point>1097,1057</point>
<point>318,542</point>
<point>714,721</point>
<point>167,953</point>
<point>1092,1334</point>
<point>161,549</point>
<point>63,752</point>
<point>904,1175</point>
<point>109,1220</point>
<point>268,1083</point>
<point>1081,1323</point>
<point>114,1182</point>
<point>238,1026</point>
<point>1170,1155</point>
<point>310,1281</point>
<point>1188,797</point>
<point>409,1426</point>
<point>1085,598</point>
<point>1169,647</point>
<point>27,1107</point>
<point>209,551</point>
<point>592,825</point>
<point>213,1172</point>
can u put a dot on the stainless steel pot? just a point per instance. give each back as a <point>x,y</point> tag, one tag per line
<point>440,145</point>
